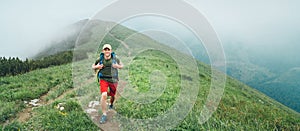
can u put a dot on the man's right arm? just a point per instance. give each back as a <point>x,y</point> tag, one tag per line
<point>96,65</point>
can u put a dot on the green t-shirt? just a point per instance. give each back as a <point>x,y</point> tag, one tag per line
<point>108,71</point>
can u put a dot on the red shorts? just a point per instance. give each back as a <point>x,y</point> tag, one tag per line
<point>104,85</point>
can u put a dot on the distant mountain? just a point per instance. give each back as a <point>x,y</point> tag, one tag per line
<point>267,73</point>
<point>63,41</point>
<point>248,72</point>
<point>285,88</point>
<point>291,77</point>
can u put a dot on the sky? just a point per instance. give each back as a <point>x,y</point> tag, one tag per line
<point>257,22</point>
<point>28,26</point>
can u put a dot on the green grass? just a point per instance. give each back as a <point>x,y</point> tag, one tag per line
<point>147,90</point>
<point>56,80</point>
<point>241,107</point>
<point>50,118</point>
<point>16,89</point>
<point>59,90</point>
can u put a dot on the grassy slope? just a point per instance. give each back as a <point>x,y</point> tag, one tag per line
<point>16,89</point>
<point>241,107</point>
<point>54,80</point>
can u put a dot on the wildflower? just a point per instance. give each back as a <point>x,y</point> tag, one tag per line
<point>62,113</point>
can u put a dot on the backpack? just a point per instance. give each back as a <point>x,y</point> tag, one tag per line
<point>114,61</point>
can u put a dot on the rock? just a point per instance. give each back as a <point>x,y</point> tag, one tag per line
<point>59,105</point>
<point>96,103</point>
<point>35,100</point>
<point>34,104</point>
<point>89,111</point>
<point>92,104</point>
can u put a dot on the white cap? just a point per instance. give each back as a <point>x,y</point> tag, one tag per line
<point>106,46</point>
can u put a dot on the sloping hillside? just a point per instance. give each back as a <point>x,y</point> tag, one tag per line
<point>263,68</point>
<point>285,88</point>
<point>241,107</point>
<point>154,79</point>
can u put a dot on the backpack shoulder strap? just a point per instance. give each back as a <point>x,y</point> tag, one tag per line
<point>113,55</point>
<point>99,74</point>
<point>114,61</point>
<point>101,58</point>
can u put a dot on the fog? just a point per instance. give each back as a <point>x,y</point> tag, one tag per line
<point>265,30</point>
<point>263,27</point>
<point>29,26</point>
<point>269,30</point>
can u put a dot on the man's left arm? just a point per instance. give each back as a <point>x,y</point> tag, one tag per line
<point>119,64</point>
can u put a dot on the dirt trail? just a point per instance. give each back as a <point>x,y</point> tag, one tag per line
<point>26,113</point>
<point>93,111</point>
<point>110,125</point>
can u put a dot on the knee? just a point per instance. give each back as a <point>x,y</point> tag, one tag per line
<point>104,95</point>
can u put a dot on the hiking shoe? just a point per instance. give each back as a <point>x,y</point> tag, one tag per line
<point>103,119</point>
<point>111,107</point>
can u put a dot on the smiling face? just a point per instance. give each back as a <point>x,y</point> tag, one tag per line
<point>107,52</point>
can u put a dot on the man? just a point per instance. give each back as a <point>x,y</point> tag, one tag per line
<point>108,67</point>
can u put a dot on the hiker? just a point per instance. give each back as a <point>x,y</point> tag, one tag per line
<point>108,65</point>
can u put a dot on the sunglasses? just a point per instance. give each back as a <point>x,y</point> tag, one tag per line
<point>106,49</point>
